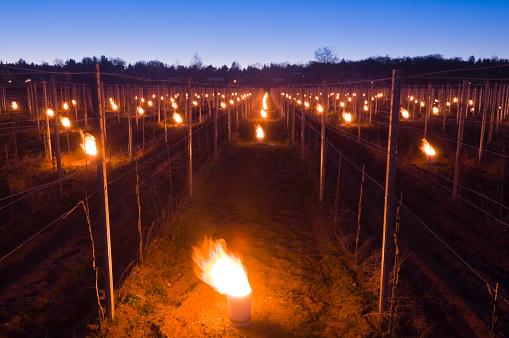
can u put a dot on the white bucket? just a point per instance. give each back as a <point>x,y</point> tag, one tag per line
<point>239,311</point>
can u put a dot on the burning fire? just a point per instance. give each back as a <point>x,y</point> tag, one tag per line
<point>264,113</point>
<point>220,269</point>
<point>177,118</point>
<point>259,132</point>
<point>435,110</point>
<point>88,143</point>
<point>347,117</point>
<point>65,122</point>
<point>427,148</point>
<point>50,112</point>
<point>264,101</point>
<point>319,108</point>
<point>14,105</point>
<point>405,113</point>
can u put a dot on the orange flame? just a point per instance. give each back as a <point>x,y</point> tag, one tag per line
<point>405,113</point>
<point>259,132</point>
<point>427,148</point>
<point>347,117</point>
<point>220,269</point>
<point>177,118</point>
<point>264,113</point>
<point>65,122</point>
<point>88,143</point>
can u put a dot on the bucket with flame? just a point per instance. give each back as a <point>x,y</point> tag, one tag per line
<point>259,134</point>
<point>225,273</point>
<point>429,151</point>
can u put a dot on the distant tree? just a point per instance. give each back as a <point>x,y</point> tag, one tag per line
<point>326,55</point>
<point>235,66</point>
<point>196,61</point>
<point>58,62</point>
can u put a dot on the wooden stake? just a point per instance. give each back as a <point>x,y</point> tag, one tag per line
<point>323,140</point>
<point>57,139</point>
<point>103,187</point>
<point>389,192</point>
<point>189,138</point>
<point>466,90</point>
<point>483,125</point>
<point>397,262</point>
<point>336,201</point>
<point>139,211</point>
<point>359,209</point>
<point>302,124</point>
<point>216,116</point>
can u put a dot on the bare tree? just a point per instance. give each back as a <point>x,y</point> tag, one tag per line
<point>326,55</point>
<point>196,61</point>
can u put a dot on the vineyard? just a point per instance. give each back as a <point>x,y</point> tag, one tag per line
<point>105,183</point>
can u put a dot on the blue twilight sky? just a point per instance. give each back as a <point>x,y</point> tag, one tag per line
<point>250,32</point>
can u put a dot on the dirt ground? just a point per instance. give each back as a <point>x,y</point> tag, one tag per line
<point>257,199</point>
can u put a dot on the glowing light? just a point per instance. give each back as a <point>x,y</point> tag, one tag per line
<point>435,110</point>
<point>347,117</point>
<point>342,104</point>
<point>448,103</point>
<point>231,101</point>
<point>427,148</point>
<point>14,105</point>
<point>88,143</point>
<point>66,106</point>
<point>142,100</point>
<point>50,112</point>
<point>411,98</point>
<point>195,103</point>
<point>319,108</point>
<point>366,108</point>
<point>174,105</point>
<point>73,102</point>
<point>349,99</point>
<point>177,118</point>
<point>150,103</point>
<point>455,100</point>
<point>223,105</point>
<point>405,113</point>
<point>264,101</point>
<point>306,104</point>
<point>140,111</point>
<point>221,269</point>
<point>422,103</point>
<point>259,132</point>
<point>263,113</point>
<point>65,122</point>
<point>470,102</point>
<point>299,102</point>
<point>162,98</point>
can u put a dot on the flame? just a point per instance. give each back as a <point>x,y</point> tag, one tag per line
<point>427,148</point>
<point>66,106</point>
<point>65,122</point>
<point>73,102</point>
<point>435,110</point>
<point>174,105</point>
<point>220,269</point>
<point>405,113</point>
<point>319,108</point>
<point>306,104</point>
<point>195,103</point>
<point>264,101</point>
<point>140,110</point>
<point>259,132</point>
<point>342,104</point>
<point>50,112</point>
<point>223,105</point>
<point>14,105</point>
<point>177,118</point>
<point>231,101</point>
<point>366,108</point>
<point>88,143</point>
<point>150,103</point>
<point>264,113</point>
<point>347,117</point>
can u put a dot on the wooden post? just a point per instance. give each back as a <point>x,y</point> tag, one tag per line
<point>389,219</point>
<point>359,210</point>
<point>216,114</point>
<point>293,115</point>
<point>322,147</point>
<point>483,125</point>
<point>103,187</point>
<point>229,110</point>
<point>85,117</point>
<point>492,107</point>
<point>463,112</point>
<point>49,155</point>
<point>57,139</point>
<point>302,124</point>
<point>158,99</point>
<point>189,119</point>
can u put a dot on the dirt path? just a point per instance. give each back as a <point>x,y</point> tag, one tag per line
<point>256,199</point>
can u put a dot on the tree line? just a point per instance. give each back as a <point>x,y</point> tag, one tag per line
<point>326,67</point>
